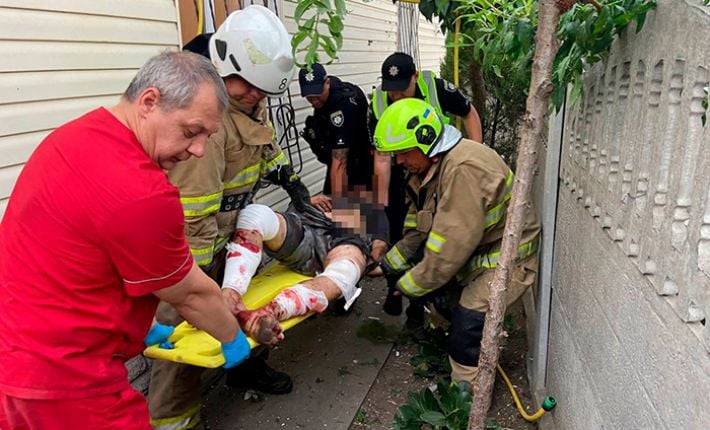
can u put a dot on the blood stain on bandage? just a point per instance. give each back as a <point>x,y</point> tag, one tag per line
<point>242,269</point>
<point>246,243</point>
<point>296,299</point>
<point>234,254</point>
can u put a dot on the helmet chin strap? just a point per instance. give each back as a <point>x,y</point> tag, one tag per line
<point>448,138</point>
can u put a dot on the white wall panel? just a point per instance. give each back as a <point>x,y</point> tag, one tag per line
<point>62,58</point>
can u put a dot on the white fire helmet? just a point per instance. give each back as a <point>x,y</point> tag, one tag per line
<point>254,44</point>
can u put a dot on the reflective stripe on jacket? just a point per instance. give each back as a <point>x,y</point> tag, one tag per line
<point>455,227</point>
<point>214,187</point>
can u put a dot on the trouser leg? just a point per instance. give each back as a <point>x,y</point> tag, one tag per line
<point>174,396</point>
<point>469,316</point>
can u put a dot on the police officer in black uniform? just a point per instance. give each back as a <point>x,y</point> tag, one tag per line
<point>401,79</point>
<point>337,131</point>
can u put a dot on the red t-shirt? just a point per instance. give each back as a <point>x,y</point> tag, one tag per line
<point>92,228</point>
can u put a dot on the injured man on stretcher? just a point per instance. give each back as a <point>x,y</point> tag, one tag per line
<point>337,248</point>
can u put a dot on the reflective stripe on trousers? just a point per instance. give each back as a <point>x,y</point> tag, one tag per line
<point>185,421</point>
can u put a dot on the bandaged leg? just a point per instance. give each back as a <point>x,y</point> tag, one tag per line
<point>344,274</point>
<point>256,223</point>
<point>262,324</point>
<point>298,300</point>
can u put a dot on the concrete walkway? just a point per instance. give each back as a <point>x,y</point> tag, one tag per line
<point>332,370</point>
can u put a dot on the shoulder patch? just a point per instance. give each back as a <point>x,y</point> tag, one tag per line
<point>337,118</point>
<point>448,86</point>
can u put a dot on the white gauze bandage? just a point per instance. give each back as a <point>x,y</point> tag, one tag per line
<point>299,300</point>
<point>243,260</point>
<point>260,218</point>
<point>345,274</point>
<point>240,267</point>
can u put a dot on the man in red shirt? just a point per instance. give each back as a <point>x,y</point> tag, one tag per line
<point>91,240</point>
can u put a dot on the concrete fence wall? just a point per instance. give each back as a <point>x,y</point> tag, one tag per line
<point>629,345</point>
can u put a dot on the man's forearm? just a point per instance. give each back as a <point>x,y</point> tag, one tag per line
<point>383,164</point>
<point>207,311</point>
<point>199,300</point>
<point>472,122</point>
<point>338,179</point>
<point>339,172</point>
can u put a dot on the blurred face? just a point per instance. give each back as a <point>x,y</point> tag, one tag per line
<point>407,92</point>
<point>319,101</point>
<point>169,137</point>
<point>243,92</point>
<point>414,161</point>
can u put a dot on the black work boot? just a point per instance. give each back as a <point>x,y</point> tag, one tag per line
<point>254,373</point>
<point>415,321</point>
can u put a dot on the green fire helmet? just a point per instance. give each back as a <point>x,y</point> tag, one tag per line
<point>406,124</point>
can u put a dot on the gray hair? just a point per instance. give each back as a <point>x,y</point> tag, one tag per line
<point>177,75</point>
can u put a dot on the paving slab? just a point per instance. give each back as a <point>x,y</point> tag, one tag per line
<point>332,370</point>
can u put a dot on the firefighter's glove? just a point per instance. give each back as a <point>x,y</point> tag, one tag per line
<point>236,351</point>
<point>300,196</point>
<point>159,334</point>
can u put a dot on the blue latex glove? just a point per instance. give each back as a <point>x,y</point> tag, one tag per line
<point>159,333</point>
<point>236,351</point>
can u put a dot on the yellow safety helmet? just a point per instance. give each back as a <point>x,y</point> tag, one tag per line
<point>406,124</point>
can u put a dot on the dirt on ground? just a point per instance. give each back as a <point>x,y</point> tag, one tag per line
<point>397,378</point>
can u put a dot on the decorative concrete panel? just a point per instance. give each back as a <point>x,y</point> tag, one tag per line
<point>632,252</point>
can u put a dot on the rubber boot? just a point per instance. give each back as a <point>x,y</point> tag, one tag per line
<point>254,373</point>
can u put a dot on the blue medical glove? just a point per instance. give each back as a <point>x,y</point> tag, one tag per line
<point>236,351</point>
<point>159,333</point>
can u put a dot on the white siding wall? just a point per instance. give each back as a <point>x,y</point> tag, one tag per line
<point>62,58</point>
<point>370,35</point>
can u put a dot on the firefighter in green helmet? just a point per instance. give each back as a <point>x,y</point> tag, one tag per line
<point>457,197</point>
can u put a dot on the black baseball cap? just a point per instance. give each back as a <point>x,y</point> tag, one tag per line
<point>397,72</point>
<point>311,81</point>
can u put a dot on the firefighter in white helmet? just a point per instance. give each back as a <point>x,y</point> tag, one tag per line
<point>251,50</point>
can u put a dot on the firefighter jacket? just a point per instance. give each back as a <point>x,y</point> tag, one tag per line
<point>215,187</point>
<point>455,221</point>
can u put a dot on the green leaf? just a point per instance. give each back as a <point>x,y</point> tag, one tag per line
<point>434,418</point>
<point>328,46</point>
<point>577,91</point>
<point>429,401</point>
<point>322,5</point>
<point>340,7</point>
<point>308,25</point>
<point>441,7</point>
<point>641,20</point>
<point>335,25</point>
<point>427,8</point>
<point>301,7</point>
<point>298,38</point>
<point>557,97</point>
<point>409,412</point>
<point>338,40</point>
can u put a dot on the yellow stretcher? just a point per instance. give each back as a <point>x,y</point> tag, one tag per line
<point>193,346</point>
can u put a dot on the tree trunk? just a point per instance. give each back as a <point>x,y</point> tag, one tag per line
<point>478,88</point>
<point>546,46</point>
<point>496,118</point>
